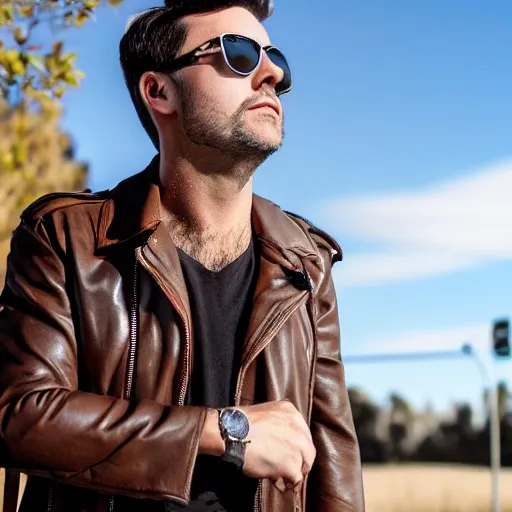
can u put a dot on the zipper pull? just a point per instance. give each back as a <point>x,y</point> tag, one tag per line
<point>296,499</point>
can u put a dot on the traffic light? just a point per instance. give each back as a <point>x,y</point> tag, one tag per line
<point>501,338</point>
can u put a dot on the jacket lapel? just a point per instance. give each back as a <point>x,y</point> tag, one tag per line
<point>131,216</point>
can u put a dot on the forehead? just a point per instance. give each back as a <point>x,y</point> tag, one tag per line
<point>236,20</point>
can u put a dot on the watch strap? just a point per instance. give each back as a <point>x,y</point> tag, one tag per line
<point>235,453</point>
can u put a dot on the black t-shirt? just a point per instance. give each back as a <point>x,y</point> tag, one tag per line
<point>220,303</point>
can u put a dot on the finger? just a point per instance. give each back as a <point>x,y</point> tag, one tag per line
<point>280,485</point>
<point>308,454</point>
<point>294,480</point>
<point>309,459</point>
<point>284,484</point>
<point>297,482</point>
<point>304,428</point>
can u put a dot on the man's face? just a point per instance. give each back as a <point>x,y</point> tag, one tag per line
<point>216,104</point>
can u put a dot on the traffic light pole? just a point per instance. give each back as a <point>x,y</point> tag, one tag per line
<point>494,426</point>
<point>494,416</point>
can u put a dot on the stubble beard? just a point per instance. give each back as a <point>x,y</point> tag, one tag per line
<point>229,136</point>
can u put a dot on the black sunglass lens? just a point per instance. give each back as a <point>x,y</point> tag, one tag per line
<point>279,60</point>
<point>242,54</point>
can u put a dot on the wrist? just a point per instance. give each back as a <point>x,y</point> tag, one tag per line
<point>211,442</point>
<point>234,428</point>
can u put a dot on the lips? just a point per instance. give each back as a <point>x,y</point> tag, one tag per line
<point>267,103</point>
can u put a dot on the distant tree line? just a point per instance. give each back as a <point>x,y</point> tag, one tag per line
<point>396,432</point>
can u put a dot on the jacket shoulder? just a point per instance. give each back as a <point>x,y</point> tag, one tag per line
<point>319,236</point>
<point>50,203</point>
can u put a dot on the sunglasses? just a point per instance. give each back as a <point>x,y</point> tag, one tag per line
<point>241,54</point>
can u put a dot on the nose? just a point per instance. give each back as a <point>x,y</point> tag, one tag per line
<point>267,73</point>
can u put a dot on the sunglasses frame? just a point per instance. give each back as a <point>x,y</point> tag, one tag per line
<point>192,57</point>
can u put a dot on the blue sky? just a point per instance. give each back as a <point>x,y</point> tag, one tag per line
<point>398,142</point>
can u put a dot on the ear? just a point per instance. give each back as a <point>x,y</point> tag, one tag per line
<point>158,92</point>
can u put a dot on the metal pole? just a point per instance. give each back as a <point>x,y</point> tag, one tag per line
<point>494,416</point>
<point>495,448</point>
<point>494,426</point>
<point>403,356</point>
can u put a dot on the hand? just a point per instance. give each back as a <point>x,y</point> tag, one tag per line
<point>281,448</point>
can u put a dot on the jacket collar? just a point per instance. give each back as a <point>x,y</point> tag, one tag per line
<point>131,213</point>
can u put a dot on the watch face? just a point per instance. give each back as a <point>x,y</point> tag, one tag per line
<point>235,423</point>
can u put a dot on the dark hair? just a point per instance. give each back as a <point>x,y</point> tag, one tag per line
<point>154,37</point>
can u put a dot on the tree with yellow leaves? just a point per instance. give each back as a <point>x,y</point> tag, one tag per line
<point>36,157</point>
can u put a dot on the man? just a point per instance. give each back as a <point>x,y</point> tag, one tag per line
<point>173,344</point>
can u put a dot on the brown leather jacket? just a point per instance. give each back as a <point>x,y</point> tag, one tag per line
<point>96,346</point>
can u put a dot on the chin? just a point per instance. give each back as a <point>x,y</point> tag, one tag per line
<point>273,144</point>
<point>261,139</point>
<point>269,136</point>
<point>266,143</point>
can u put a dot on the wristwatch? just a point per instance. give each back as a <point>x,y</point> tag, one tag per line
<point>234,429</point>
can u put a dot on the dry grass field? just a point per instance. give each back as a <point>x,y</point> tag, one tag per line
<point>433,488</point>
<point>426,488</point>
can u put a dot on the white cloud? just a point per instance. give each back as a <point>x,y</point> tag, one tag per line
<point>452,338</point>
<point>449,226</point>
<point>385,267</point>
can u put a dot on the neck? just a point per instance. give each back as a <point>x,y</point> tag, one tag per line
<point>207,207</point>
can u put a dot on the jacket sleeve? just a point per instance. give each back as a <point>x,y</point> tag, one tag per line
<point>47,426</point>
<point>335,483</point>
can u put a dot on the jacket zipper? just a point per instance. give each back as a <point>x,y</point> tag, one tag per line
<point>50,498</point>
<point>131,367</point>
<point>134,324</point>
<point>267,336</point>
<point>184,373</point>
<point>178,306</point>
<point>259,497</point>
<point>312,314</point>
<point>133,333</point>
